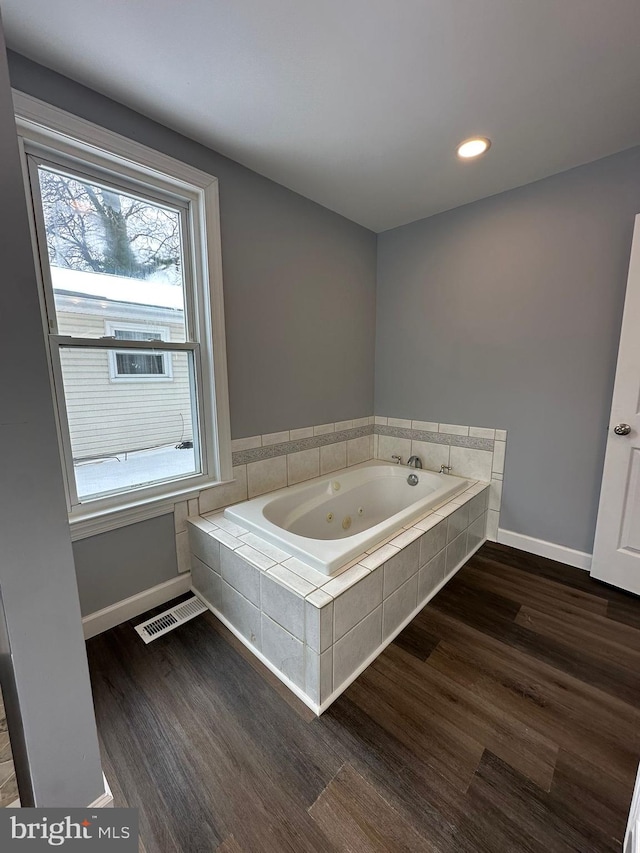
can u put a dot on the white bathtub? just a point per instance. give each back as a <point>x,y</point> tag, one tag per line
<point>328,521</point>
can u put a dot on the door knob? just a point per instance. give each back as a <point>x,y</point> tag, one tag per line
<point>622,429</point>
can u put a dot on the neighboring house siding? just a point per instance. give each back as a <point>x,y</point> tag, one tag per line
<point>110,416</point>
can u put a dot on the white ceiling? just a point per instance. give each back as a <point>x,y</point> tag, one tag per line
<point>359,104</point>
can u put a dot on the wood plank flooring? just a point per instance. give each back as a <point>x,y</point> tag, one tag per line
<point>504,718</point>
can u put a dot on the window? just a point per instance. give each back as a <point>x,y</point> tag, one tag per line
<point>139,366</point>
<point>127,246</point>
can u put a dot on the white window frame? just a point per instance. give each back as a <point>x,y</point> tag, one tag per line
<point>112,326</point>
<point>44,129</point>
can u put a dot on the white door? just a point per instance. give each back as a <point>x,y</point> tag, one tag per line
<point>616,553</point>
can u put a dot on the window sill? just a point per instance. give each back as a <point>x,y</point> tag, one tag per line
<point>93,522</point>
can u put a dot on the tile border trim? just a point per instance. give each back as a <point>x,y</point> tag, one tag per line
<point>270,451</point>
<point>435,437</point>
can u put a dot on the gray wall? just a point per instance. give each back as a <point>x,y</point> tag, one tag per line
<point>37,579</point>
<point>120,563</point>
<point>506,313</point>
<point>299,280</point>
<point>299,290</point>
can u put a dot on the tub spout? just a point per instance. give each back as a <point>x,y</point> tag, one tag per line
<point>414,462</point>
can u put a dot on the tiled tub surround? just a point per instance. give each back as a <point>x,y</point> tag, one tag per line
<point>332,520</point>
<point>317,633</point>
<point>474,452</point>
<point>265,463</point>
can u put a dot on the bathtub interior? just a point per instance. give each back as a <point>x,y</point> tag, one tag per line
<point>332,520</point>
<point>342,507</point>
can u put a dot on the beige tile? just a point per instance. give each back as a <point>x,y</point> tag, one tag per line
<point>292,580</point>
<point>284,650</point>
<point>481,432</point>
<point>493,518</point>
<point>340,425</point>
<point>242,614</point>
<point>431,455</point>
<point>501,435</point>
<point>428,522</point>
<point>476,532</point>
<point>203,545</point>
<point>357,645</point>
<point>326,674</point>
<point>305,571</point>
<point>499,449</point>
<point>431,575</point>
<point>226,493</point>
<point>406,537</point>
<point>399,569</point>
<point>456,551</point>
<point>378,419</point>
<point>403,423</point>
<point>355,603</point>
<point>399,606</point>
<point>495,495</point>
<point>445,510</point>
<point>469,462</point>
<point>333,457</point>
<point>193,505</point>
<point>360,422</point>
<point>358,450</point>
<point>337,585</point>
<point>389,446</point>
<point>267,475</point>
<point>183,552</point>
<point>276,554</point>
<point>275,437</point>
<point>303,465</point>
<point>256,558</point>
<point>282,605</point>
<point>226,524</point>
<point>323,429</point>
<point>477,505</point>
<point>239,574</point>
<point>319,621</point>
<point>302,432</point>
<point>206,582</point>
<point>379,556</point>
<point>454,429</point>
<point>457,522</point>
<point>249,443</point>
<point>227,539</point>
<point>433,542</point>
<point>180,515</point>
<point>426,426</point>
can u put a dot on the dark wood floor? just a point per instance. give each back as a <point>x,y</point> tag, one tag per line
<point>506,717</point>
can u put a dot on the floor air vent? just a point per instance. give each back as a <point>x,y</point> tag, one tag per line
<point>170,619</point>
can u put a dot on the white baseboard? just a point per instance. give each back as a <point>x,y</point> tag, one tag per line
<point>105,801</point>
<point>542,548</point>
<point>128,608</point>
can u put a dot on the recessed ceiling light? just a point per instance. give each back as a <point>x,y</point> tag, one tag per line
<point>473,147</point>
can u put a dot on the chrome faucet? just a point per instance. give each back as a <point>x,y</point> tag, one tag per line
<point>414,462</point>
<point>446,469</point>
<point>398,459</point>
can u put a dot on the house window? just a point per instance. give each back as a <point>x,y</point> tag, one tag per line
<point>138,366</point>
<point>127,242</point>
